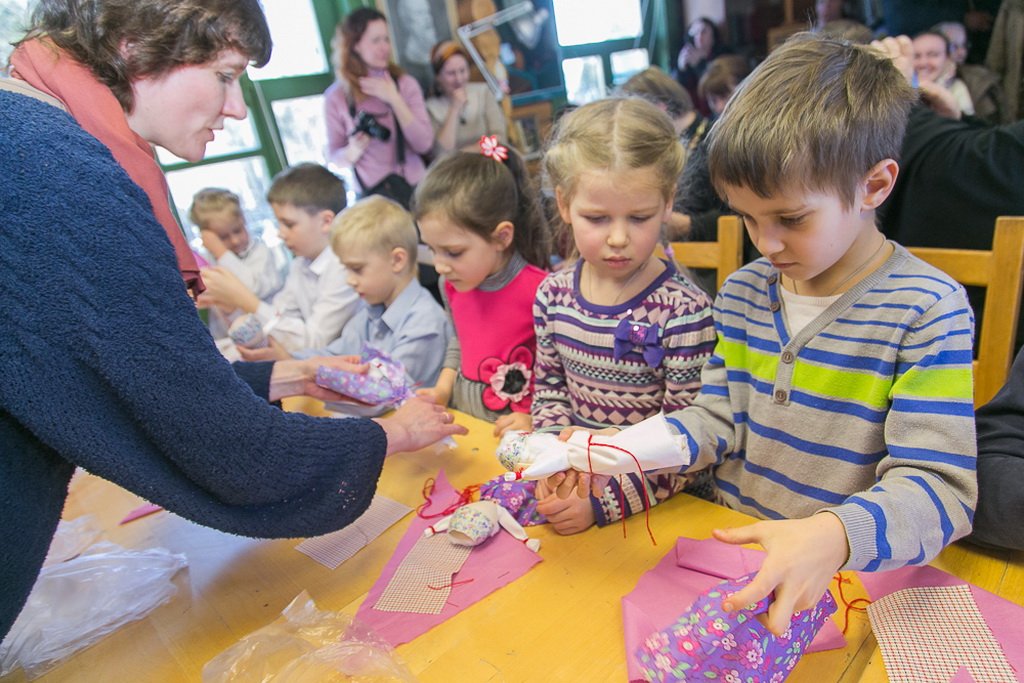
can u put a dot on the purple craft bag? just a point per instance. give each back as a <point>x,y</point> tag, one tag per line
<point>708,643</point>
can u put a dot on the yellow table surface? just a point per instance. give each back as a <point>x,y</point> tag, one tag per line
<point>560,622</point>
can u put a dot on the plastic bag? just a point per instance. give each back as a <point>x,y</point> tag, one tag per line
<point>306,645</point>
<point>71,539</point>
<point>75,603</point>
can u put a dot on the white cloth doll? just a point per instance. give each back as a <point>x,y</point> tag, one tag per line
<point>643,447</point>
<point>474,523</point>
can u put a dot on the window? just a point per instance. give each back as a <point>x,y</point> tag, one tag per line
<point>13,20</point>
<point>580,22</point>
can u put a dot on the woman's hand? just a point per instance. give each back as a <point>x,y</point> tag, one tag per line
<point>802,557</point>
<point>297,377</point>
<point>514,421</point>
<point>382,87</point>
<point>459,98</point>
<point>356,147</point>
<point>418,424</point>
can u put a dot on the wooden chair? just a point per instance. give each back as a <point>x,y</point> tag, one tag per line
<point>1001,272</point>
<point>724,255</point>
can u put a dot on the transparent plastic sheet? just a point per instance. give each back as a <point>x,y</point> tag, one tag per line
<point>71,539</point>
<point>307,645</point>
<point>76,603</point>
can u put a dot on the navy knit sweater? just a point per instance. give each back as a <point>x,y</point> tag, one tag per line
<point>105,365</point>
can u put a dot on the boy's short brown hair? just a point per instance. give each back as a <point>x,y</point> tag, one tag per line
<point>375,224</point>
<point>817,114</point>
<point>657,86</point>
<point>310,187</point>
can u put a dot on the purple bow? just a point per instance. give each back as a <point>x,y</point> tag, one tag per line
<point>630,333</point>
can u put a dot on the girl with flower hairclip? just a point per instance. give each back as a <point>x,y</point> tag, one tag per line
<point>479,214</point>
<point>622,334</point>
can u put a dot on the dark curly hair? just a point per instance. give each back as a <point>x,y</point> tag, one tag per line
<point>163,35</point>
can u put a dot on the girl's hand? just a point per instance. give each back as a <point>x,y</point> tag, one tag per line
<point>418,424</point>
<point>433,395</point>
<point>514,421</point>
<point>803,556</point>
<point>213,243</point>
<point>584,483</point>
<point>382,87</point>
<point>567,516</point>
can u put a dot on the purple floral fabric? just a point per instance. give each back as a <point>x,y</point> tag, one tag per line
<point>709,644</point>
<point>518,497</point>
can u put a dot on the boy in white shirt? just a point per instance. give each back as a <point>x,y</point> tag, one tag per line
<point>218,215</point>
<point>316,301</point>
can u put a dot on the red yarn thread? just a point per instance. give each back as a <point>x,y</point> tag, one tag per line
<point>465,497</point>
<point>622,499</point>
<point>450,584</point>
<point>850,604</point>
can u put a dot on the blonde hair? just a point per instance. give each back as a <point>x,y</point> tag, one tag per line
<point>375,224</point>
<point>817,114</point>
<point>657,86</point>
<point>212,200</point>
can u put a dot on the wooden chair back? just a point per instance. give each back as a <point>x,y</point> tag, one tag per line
<point>724,255</point>
<point>1000,271</point>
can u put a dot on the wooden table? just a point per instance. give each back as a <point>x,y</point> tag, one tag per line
<point>560,622</point>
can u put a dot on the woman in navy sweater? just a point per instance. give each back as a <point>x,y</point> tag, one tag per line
<point>104,363</point>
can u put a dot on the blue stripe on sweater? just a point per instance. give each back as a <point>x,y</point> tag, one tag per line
<point>934,407</point>
<point>812,448</point>
<point>944,522</point>
<point>781,479</point>
<point>766,512</point>
<point>882,547</point>
<point>964,462</point>
<point>845,361</point>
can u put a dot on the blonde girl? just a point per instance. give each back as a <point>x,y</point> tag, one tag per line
<point>622,334</point>
<point>479,215</point>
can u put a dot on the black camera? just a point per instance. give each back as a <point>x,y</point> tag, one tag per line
<point>367,123</point>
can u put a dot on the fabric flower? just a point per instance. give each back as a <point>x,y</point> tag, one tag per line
<point>510,381</point>
<point>630,334</point>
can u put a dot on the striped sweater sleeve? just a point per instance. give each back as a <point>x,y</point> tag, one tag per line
<point>551,406</point>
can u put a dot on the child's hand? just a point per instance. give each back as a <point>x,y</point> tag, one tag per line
<point>434,395</point>
<point>273,352</point>
<point>584,483</point>
<point>223,288</point>
<point>803,556</point>
<point>566,515</point>
<point>513,421</point>
<point>213,243</point>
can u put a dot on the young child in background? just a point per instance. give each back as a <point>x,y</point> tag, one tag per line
<point>480,217</point>
<point>622,335</point>
<point>218,215</point>
<point>838,402</point>
<point>316,301</point>
<point>375,239</point>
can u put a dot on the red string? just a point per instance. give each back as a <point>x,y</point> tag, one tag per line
<point>622,501</point>
<point>450,584</point>
<point>465,497</point>
<point>850,604</point>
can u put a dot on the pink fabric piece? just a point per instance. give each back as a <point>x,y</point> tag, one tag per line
<point>671,587</point>
<point>492,565</point>
<point>962,675</point>
<point>141,511</point>
<point>1004,618</point>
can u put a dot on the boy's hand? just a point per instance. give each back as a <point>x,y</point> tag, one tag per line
<point>802,557</point>
<point>584,483</point>
<point>514,421</point>
<point>273,352</point>
<point>213,243</point>
<point>566,515</point>
<point>224,289</point>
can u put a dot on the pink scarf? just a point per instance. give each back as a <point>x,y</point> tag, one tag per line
<point>92,104</point>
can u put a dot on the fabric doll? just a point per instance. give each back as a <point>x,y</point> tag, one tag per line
<point>474,523</point>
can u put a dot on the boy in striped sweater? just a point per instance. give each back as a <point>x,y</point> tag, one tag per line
<point>838,401</point>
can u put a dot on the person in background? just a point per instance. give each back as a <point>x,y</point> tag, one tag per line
<point>985,90</point>
<point>105,364</point>
<point>838,404</point>
<point>479,214</point>
<point>720,79</point>
<point>934,65</point>
<point>1005,56</point>
<point>702,44</point>
<point>377,123</point>
<point>657,87</point>
<point>611,164</point>
<point>218,215</point>
<point>376,240</point>
<point>460,111</point>
<point>316,301</point>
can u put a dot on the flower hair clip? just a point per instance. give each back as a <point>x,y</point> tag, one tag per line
<point>489,147</point>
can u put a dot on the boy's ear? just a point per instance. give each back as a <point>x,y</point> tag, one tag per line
<point>326,217</point>
<point>399,260</point>
<point>563,205</point>
<point>504,233</point>
<point>878,183</point>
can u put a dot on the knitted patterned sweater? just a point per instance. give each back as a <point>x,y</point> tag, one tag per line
<point>867,412</point>
<point>585,376</point>
<point>105,365</point>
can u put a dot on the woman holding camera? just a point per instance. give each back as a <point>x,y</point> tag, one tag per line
<point>377,122</point>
